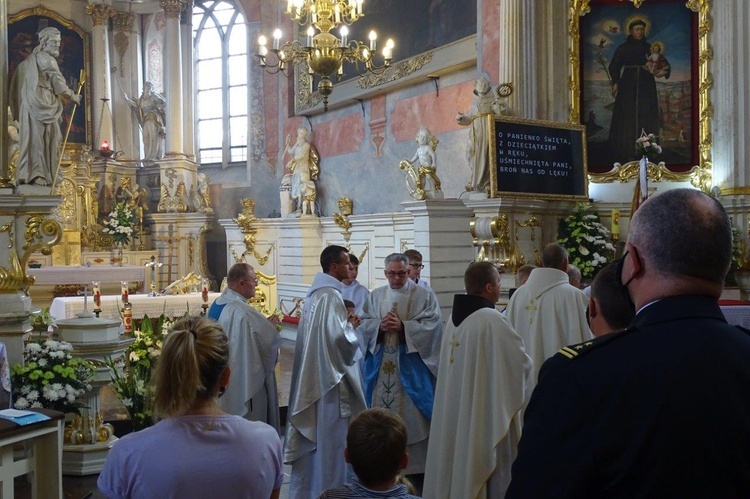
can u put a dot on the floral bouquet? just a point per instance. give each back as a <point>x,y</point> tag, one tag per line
<point>120,224</point>
<point>586,240</point>
<point>132,382</point>
<point>647,145</point>
<point>51,377</point>
<point>42,320</point>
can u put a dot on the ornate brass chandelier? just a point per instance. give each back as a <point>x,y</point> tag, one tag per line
<point>323,53</point>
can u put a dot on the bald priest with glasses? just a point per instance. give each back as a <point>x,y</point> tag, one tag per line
<point>402,327</point>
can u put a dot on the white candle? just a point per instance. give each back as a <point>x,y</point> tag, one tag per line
<point>124,291</point>
<point>276,39</point>
<point>344,32</point>
<point>97,294</point>
<point>310,34</point>
<point>373,41</point>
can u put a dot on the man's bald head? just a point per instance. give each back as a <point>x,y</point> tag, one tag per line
<point>684,233</point>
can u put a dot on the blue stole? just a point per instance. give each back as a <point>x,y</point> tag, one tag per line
<point>215,311</point>
<point>418,381</point>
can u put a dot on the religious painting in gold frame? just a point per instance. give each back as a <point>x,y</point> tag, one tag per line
<point>75,50</point>
<point>663,71</point>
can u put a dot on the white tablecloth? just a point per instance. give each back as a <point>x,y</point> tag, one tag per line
<point>154,306</point>
<point>55,276</point>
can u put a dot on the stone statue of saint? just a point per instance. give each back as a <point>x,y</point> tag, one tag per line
<point>304,169</point>
<point>477,151</point>
<point>35,93</point>
<point>150,109</point>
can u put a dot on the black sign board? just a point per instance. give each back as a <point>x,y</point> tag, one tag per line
<point>534,158</point>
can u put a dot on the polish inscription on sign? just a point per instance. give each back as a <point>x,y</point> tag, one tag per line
<point>538,158</point>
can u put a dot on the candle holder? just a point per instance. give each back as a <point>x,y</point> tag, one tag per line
<point>204,295</point>
<point>124,292</point>
<point>97,293</point>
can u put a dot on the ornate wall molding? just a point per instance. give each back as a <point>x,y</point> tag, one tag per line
<point>100,13</point>
<point>172,8</point>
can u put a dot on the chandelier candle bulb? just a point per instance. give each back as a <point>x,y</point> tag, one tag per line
<point>344,32</point>
<point>359,7</point>
<point>310,34</point>
<point>337,14</point>
<point>373,41</point>
<point>276,39</point>
<point>289,5</point>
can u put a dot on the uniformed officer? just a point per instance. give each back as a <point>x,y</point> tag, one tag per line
<point>663,408</point>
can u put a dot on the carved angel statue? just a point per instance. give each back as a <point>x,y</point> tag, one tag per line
<point>421,171</point>
<point>304,169</point>
<point>200,201</point>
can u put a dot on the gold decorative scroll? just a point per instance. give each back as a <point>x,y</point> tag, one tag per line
<point>699,178</point>
<point>395,72</point>
<point>702,177</point>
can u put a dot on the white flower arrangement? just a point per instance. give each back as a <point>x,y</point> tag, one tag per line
<point>50,377</point>
<point>120,224</point>
<point>131,383</point>
<point>586,240</point>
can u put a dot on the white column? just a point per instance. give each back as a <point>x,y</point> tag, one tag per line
<point>4,140</point>
<point>99,77</point>
<point>173,77</point>
<point>126,75</point>
<point>516,55</point>
<point>188,130</point>
<point>731,74</point>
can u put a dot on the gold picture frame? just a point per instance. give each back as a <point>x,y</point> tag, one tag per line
<point>698,172</point>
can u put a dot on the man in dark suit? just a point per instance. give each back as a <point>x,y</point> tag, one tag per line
<point>663,408</point>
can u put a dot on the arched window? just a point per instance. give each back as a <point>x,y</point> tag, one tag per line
<point>221,67</point>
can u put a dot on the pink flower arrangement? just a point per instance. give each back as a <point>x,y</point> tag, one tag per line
<point>648,145</point>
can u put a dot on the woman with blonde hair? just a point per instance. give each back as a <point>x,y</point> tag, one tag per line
<point>195,450</point>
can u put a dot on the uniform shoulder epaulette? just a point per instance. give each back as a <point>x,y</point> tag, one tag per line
<point>576,351</point>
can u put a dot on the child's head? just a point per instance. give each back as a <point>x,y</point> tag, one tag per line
<point>376,446</point>
<point>656,48</point>
<point>349,306</point>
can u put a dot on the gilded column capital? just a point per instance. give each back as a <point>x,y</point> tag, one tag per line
<point>123,21</point>
<point>171,8</point>
<point>100,13</point>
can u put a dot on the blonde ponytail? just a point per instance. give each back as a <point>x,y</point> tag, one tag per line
<point>194,355</point>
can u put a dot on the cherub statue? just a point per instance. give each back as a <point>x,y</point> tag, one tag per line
<point>421,171</point>
<point>199,197</point>
<point>304,169</point>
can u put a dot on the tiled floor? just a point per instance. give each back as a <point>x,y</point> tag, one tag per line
<point>113,410</point>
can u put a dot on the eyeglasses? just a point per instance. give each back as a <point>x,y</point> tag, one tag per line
<point>416,265</point>
<point>400,274</point>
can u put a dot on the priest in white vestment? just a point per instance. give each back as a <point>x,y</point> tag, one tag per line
<point>547,311</point>
<point>481,389</point>
<point>352,290</point>
<point>253,350</point>
<point>403,330</point>
<point>326,390</point>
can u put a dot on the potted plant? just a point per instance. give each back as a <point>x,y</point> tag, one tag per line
<point>50,377</point>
